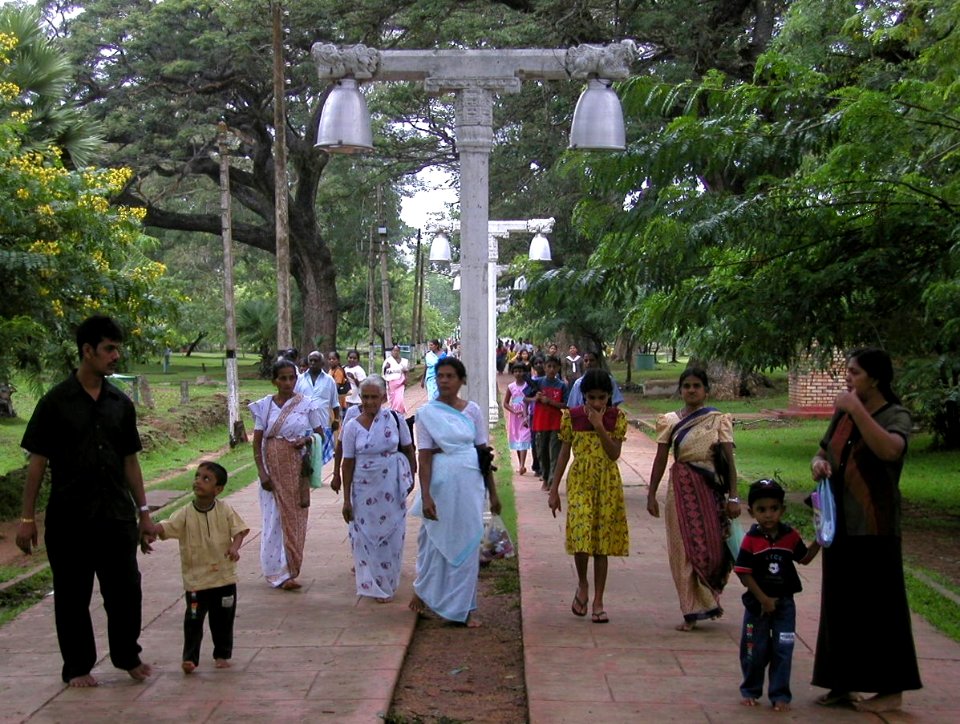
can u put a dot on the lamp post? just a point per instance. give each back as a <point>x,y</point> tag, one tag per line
<point>496,230</point>
<point>475,77</point>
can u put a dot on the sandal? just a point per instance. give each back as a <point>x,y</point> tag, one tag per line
<point>579,606</point>
<point>600,617</point>
<point>838,698</point>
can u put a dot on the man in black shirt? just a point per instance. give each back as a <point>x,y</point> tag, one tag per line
<point>86,430</point>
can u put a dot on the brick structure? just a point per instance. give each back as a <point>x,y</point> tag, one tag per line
<point>813,389</point>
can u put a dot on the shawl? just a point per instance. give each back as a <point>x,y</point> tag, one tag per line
<point>456,484</point>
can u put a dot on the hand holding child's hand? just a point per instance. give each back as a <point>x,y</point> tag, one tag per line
<point>233,554</point>
<point>768,604</point>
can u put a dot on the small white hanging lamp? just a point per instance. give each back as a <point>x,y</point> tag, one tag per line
<point>456,283</point>
<point>598,119</point>
<point>440,248</point>
<point>520,284</point>
<point>540,248</point>
<point>345,121</point>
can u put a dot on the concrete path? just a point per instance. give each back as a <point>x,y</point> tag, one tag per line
<point>319,654</point>
<point>323,655</point>
<point>638,668</point>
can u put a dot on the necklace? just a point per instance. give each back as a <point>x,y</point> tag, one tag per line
<point>197,508</point>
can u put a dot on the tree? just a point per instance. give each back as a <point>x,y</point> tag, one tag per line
<point>817,203</point>
<point>64,251</point>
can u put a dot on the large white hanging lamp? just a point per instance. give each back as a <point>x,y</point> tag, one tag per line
<point>540,248</point>
<point>345,121</point>
<point>598,119</point>
<point>440,248</point>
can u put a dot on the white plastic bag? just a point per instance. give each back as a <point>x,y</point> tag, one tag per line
<point>824,512</point>
<point>496,541</point>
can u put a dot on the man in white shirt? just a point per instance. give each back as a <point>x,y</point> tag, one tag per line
<point>316,384</point>
<point>575,397</point>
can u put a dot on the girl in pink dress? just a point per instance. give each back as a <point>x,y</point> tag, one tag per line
<point>518,419</point>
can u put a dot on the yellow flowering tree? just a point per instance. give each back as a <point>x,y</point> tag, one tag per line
<point>65,251</point>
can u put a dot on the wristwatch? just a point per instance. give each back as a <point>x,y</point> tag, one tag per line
<point>734,500</point>
<point>144,509</point>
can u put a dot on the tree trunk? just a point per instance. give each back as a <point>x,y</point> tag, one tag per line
<point>194,343</point>
<point>312,267</point>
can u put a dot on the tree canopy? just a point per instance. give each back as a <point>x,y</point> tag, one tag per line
<point>65,251</point>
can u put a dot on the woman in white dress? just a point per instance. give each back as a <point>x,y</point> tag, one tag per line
<point>377,475</point>
<point>355,375</point>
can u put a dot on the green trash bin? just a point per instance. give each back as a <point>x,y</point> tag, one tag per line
<point>644,361</point>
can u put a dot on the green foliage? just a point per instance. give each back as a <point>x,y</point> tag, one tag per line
<point>65,252</point>
<point>816,202</point>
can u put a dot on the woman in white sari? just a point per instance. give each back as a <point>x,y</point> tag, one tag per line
<point>282,424</point>
<point>377,475</point>
<point>449,431</point>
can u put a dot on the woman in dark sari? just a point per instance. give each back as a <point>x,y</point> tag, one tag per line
<point>865,642</point>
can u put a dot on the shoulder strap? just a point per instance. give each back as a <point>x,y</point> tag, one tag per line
<point>396,420</point>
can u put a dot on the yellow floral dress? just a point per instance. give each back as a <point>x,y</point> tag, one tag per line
<point>596,512</point>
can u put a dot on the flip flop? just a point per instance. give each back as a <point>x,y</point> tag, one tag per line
<point>579,606</point>
<point>600,617</point>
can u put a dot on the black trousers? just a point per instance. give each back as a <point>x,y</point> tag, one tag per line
<point>78,551</point>
<point>221,604</point>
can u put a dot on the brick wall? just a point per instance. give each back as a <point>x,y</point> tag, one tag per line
<point>814,388</point>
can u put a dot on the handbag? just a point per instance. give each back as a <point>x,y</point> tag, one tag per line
<point>496,543</point>
<point>824,512</point>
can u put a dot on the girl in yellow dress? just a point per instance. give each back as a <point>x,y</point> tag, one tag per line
<point>596,512</point>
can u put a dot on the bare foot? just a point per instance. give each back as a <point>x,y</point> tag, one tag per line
<point>472,622</point>
<point>781,706</point>
<point>290,585</point>
<point>880,703</point>
<point>416,604</point>
<point>140,673</point>
<point>386,599</point>
<point>686,626</point>
<point>188,667</point>
<point>749,702</point>
<point>523,470</point>
<point>221,663</point>
<point>83,682</point>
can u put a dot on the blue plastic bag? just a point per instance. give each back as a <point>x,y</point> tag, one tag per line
<point>824,512</point>
<point>735,538</point>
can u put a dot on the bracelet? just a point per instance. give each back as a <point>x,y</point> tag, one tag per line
<point>26,520</point>
<point>144,508</point>
<point>734,500</point>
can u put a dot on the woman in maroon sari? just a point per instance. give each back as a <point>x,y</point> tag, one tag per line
<point>865,642</point>
<point>698,505</point>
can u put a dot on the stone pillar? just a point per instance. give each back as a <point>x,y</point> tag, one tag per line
<point>493,251</point>
<point>474,128</point>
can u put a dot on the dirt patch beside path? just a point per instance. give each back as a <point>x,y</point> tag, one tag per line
<point>458,674</point>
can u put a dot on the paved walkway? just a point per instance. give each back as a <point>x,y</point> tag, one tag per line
<point>319,654</point>
<point>323,655</point>
<point>638,668</point>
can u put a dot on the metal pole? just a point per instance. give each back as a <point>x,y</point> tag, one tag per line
<point>236,430</point>
<point>384,277</point>
<point>281,212</point>
<point>414,338</point>
<point>371,303</point>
